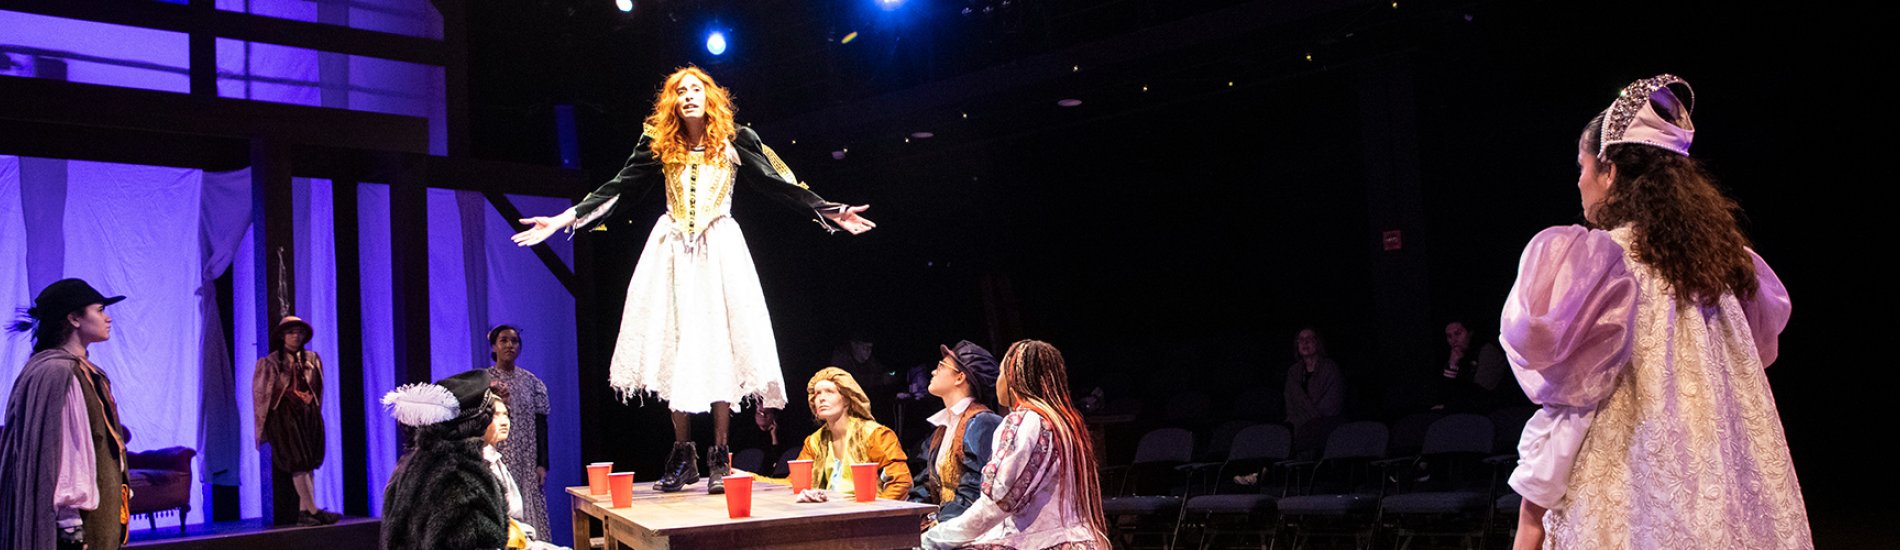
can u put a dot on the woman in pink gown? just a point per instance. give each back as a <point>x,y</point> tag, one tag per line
<point>1643,337</point>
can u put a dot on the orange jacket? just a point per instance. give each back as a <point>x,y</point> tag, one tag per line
<point>880,448</point>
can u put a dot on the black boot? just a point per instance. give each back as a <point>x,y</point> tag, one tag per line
<point>718,466</point>
<point>682,468</point>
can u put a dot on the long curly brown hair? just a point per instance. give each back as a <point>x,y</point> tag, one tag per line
<point>1684,226</point>
<point>669,143</point>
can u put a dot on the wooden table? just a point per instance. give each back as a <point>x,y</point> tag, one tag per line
<point>693,519</point>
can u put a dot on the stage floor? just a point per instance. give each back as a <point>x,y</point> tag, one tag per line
<point>254,533</point>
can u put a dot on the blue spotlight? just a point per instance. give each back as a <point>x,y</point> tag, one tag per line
<point>626,6</point>
<point>716,43</point>
<point>889,5</point>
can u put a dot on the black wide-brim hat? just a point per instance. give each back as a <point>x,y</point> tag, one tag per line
<point>66,296</point>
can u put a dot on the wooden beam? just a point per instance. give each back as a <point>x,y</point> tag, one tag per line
<point>50,101</point>
<point>221,153</point>
<point>409,273</point>
<point>101,144</point>
<point>455,77</point>
<point>196,19</point>
<point>461,174</point>
<point>272,212</point>
<point>349,350</point>
<point>548,258</point>
<point>490,176</point>
<point>204,57</point>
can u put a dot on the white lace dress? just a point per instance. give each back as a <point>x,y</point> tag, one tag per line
<point>1658,429</point>
<point>695,329</point>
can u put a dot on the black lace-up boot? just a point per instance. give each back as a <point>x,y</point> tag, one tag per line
<point>682,468</point>
<point>718,466</point>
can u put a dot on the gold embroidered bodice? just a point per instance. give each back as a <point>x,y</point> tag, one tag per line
<point>698,192</point>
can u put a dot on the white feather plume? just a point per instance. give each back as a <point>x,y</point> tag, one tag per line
<point>421,404</point>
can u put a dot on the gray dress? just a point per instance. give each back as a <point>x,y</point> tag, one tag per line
<point>527,397</point>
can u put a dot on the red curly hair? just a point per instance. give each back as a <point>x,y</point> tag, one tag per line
<point>669,129</point>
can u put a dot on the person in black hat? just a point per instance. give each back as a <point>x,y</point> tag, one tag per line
<point>965,379</point>
<point>287,405</point>
<point>442,495</point>
<point>62,453</point>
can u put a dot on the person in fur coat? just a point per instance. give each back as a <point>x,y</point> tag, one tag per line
<point>442,495</point>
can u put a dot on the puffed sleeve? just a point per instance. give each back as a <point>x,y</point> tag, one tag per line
<point>1569,322</point>
<point>893,466</point>
<point>1768,312</point>
<point>1567,329</point>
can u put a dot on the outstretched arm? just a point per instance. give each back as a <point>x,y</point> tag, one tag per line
<point>636,174</point>
<point>542,227</point>
<point>760,168</point>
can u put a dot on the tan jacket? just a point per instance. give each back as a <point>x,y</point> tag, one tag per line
<point>270,381</point>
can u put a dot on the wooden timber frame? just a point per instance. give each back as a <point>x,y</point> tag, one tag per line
<point>66,120</point>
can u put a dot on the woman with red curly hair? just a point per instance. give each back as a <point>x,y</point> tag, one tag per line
<point>695,331</point>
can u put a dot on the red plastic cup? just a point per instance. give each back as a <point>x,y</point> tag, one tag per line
<point>597,477</point>
<point>864,481</point>
<point>801,475</point>
<point>739,496</point>
<point>620,485</point>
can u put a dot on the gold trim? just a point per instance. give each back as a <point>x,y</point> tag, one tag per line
<point>780,167</point>
<point>680,197</point>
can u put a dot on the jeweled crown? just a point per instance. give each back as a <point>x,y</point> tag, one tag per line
<point>1633,117</point>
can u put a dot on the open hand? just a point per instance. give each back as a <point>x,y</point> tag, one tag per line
<point>850,220</point>
<point>541,227</point>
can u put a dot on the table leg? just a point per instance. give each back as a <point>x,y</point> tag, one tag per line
<point>581,532</point>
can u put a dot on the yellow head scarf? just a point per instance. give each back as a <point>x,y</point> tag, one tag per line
<point>858,422</point>
<point>857,404</point>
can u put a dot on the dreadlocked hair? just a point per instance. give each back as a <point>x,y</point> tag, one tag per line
<point>1038,381</point>
<point>1684,226</point>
